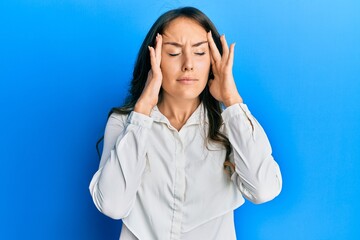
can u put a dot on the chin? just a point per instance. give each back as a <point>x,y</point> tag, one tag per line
<point>190,96</point>
<point>180,93</point>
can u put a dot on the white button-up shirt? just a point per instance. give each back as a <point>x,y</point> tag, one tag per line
<point>167,185</point>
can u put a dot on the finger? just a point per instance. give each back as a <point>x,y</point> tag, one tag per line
<point>158,48</point>
<point>212,60</point>
<point>225,48</point>
<point>230,61</point>
<point>213,48</point>
<point>213,66</point>
<point>152,57</point>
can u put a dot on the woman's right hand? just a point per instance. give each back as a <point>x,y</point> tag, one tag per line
<point>150,94</point>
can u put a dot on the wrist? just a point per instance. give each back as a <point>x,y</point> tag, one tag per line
<point>142,108</point>
<point>233,100</point>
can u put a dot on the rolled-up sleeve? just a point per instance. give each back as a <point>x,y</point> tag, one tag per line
<point>257,174</point>
<point>114,186</point>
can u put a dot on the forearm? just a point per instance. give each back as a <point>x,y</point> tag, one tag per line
<point>257,174</point>
<point>115,184</point>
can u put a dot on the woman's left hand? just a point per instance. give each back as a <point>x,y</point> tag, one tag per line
<point>223,87</point>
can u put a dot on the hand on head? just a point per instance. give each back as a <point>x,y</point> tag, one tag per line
<point>150,94</point>
<point>222,87</point>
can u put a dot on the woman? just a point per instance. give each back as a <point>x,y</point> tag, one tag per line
<point>174,164</point>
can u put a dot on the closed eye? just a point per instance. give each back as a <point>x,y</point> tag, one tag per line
<point>177,54</point>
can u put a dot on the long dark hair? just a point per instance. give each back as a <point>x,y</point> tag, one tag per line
<point>143,66</point>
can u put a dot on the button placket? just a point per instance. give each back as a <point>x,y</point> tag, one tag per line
<point>179,188</point>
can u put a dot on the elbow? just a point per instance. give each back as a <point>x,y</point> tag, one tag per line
<point>114,212</point>
<point>265,196</point>
<point>113,208</point>
<point>267,192</point>
<point>269,187</point>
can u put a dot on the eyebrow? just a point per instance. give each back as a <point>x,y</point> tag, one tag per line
<point>180,45</point>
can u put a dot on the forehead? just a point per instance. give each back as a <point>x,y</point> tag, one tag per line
<point>184,29</point>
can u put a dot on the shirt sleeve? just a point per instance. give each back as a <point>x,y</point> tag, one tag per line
<point>114,186</point>
<point>257,175</point>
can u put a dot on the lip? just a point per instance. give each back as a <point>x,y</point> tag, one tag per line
<point>187,80</point>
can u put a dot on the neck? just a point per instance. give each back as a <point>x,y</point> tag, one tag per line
<point>178,111</point>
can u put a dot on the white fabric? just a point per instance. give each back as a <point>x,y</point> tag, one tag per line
<point>169,184</point>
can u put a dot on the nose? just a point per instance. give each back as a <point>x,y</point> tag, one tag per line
<point>187,62</point>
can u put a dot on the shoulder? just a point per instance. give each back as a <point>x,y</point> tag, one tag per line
<point>117,120</point>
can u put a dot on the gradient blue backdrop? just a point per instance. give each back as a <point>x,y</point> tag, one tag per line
<point>64,64</point>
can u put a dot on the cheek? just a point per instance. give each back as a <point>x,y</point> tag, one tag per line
<point>168,65</point>
<point>166,68</point>
<point>204,66</point>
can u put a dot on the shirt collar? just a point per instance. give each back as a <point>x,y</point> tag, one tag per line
<point>199,116</point>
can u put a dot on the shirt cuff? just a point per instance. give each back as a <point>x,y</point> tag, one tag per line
<point>236,110</point>
<point>140,119</point>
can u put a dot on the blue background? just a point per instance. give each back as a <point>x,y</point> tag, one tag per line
<point>64,64</point>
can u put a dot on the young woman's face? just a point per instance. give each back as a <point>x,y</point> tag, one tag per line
<point>185,59</point>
